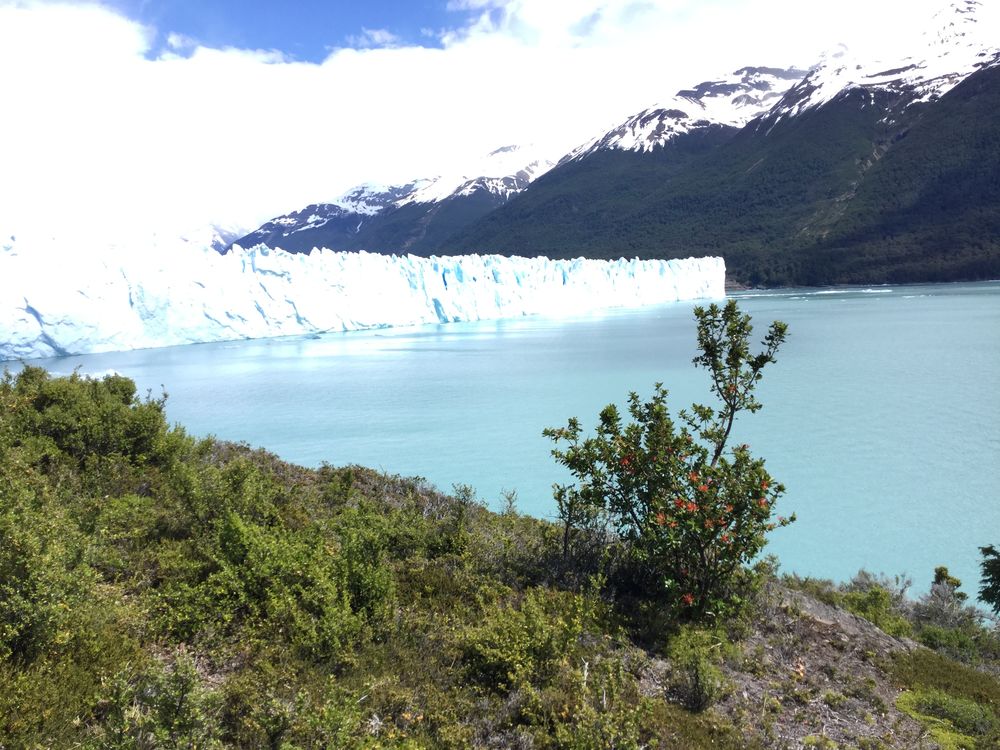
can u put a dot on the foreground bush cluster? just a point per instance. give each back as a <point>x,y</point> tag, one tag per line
<point>159,591</point>
<point>162,591</point>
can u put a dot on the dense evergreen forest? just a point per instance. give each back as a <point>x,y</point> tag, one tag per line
<point>864,189</point>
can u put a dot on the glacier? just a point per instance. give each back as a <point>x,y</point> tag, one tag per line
<point>54,302</point>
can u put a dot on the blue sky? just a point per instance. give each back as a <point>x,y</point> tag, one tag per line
<point>159,116</point>
<point>306,30</point>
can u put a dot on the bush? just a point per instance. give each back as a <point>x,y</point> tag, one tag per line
<point>278,580</point>
<point>164,707</point>
<point>694,655</point>
<point>42,574</point>
<point>517,647</point>
<point>958,644</point>
<point>82,417</point>
<point>686,510</point>
<point>929,670</point>
<point>875,604</point>
<point>944,607</point>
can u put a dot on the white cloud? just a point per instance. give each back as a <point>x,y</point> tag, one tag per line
<point>373,38</point>
<point>180,42</point>
<point>96,137</point>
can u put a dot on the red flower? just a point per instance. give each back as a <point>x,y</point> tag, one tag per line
<point>702,488</point>
<point>679,502</point>
<point>661,518</point>
<point>693,476</point>
<point>692,507</point>
<point>687,600</point>
<point>764,485</point>
<point>725,538</point>
<point>729,509</point>
<point>762,502</point>
<point>672,524</point>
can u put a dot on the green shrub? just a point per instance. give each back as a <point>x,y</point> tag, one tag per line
<point>956,643</point>
<point>166,706</point>
<point>609,713</point>
<point>42,573</point>
<point>965,715</point>
<point>691,511</point>
<point>926,669</point>
<point>295,585</point>
<point>697,682</point>
<point>370,584</point>
<point>875,605</point>
<point>522,646</point>
<point>821,589</point>
<point>82,416</point>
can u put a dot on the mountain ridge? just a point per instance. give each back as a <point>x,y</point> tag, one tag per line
<point>775,169</point>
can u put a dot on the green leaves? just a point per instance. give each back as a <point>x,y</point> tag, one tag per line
<point>684,510</point>
<point>989,590</point>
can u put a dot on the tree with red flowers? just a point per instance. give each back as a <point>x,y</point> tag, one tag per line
<point>684,505</point>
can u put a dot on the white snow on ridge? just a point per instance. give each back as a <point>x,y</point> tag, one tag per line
<point>732,100</point>
<point>964,38</point>
<point>505,171</point>
<point>54,303</point>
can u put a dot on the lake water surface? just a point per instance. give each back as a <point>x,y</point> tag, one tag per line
<point>881,417</point>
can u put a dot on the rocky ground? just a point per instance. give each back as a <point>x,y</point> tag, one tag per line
<point>812,675</point>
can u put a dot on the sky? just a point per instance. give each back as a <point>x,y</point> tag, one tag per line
<point>133,117</point>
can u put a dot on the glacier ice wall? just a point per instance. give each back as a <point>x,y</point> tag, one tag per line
<point>55,303</point>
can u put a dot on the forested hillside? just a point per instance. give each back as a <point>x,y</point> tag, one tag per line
<point>844,193</point>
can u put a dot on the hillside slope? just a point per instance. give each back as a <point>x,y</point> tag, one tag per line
<point>161,591</point>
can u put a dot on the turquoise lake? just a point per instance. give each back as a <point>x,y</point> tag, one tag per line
<point>881,417</point>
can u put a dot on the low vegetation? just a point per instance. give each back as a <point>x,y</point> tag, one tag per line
<point>162,591</point>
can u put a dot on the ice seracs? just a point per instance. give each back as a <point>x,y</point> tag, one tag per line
<point>54,302</point>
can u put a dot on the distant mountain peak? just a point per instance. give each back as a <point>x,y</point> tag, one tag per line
<point>350,221</point>
<point>505,150</point>
<point>503,171</point>
<point>732,100</point>
<point>960,39</point>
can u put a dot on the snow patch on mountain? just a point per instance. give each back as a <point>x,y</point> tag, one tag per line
<point>504,172</point>
<point>56,300</point>
<point>962,39</point>
<point>733,100</point>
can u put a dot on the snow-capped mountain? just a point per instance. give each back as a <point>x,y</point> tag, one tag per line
<point>960,39</point>
<point>402,218</point>
<point>860,152</point>
<point>347,214</point>
<point>872,168</point>
<point>503,172</point>
<point>733,100</point>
